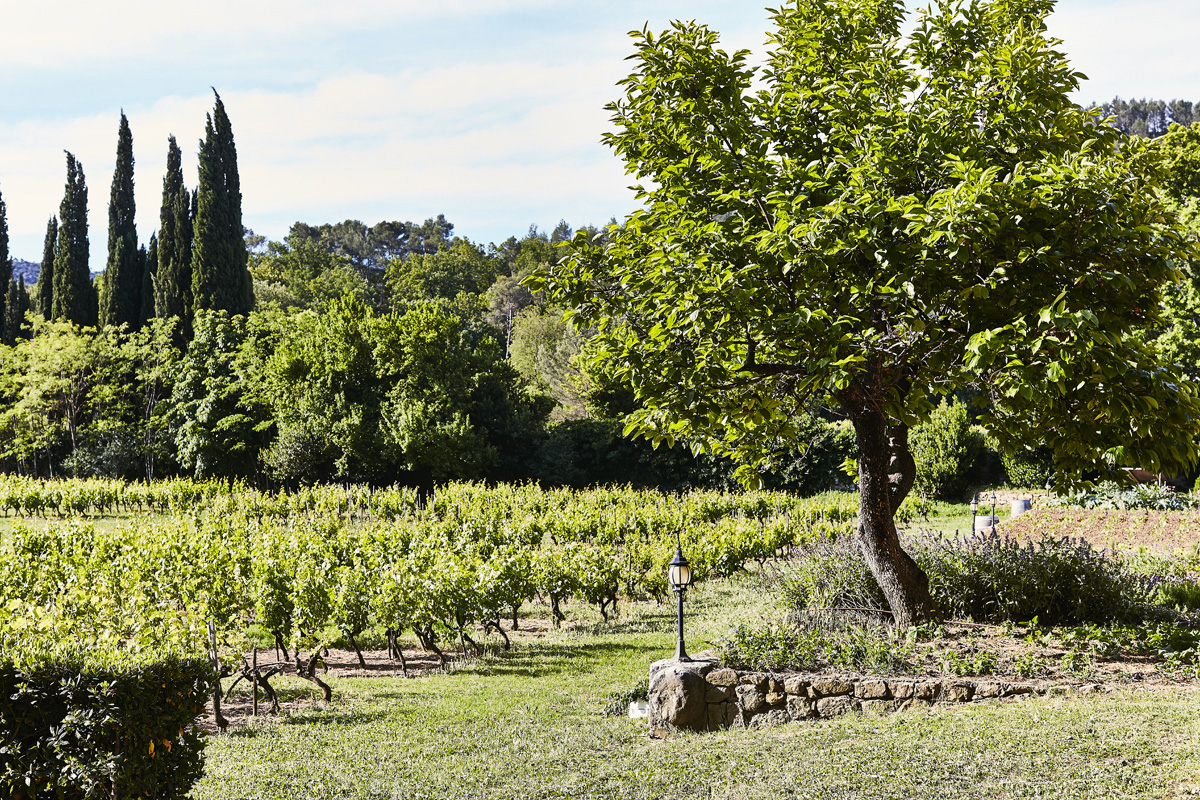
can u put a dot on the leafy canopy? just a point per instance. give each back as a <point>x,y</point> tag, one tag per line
<point>874,221</point>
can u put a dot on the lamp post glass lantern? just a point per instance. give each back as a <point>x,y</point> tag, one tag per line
<point>679,576</point>
<point>974,511</point>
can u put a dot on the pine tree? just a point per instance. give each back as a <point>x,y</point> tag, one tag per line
<point>220,275</point>
<point>173,275</point>
<point>149,268</point>
<point>44,288</point>
<point>74,295</point>
<point>6,269</point>
<point>123,274</point>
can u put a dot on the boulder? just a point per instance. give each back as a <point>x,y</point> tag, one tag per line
<point>679,694</point>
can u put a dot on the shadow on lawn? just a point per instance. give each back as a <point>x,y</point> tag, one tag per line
<point>536,660</point>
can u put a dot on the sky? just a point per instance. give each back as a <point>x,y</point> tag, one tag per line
<point>487,111</point>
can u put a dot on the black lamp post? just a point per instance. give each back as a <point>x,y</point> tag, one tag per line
<point>679,575</point>
<point>974,511</point>
<point>993,510</point>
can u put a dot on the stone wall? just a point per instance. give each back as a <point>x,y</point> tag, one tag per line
<point>700,695</point>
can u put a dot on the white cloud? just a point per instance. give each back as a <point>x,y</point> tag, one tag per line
<point>497,133</point>
<point>62,33</point>
<point>1131,48</point>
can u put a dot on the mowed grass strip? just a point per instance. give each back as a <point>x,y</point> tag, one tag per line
<point>530,724</point>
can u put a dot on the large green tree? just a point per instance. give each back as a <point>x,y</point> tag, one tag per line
<point>218,424</point>
<point>123,274</point>
<point>220,277</point>
<point>74,295</point>
<point>873,221</point>
<point>173,272</point>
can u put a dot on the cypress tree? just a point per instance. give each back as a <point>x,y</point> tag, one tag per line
<point>6,269</point>
<point>16,303</point>
<point>23,309</point>
<point>149,268</point>
<point>173,275</point>
<point>220,275</point>
<point>123,273</point>
<point>74,294</point>
<point>44,288</point>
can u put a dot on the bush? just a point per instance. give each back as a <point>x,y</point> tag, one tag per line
<point>816,641</point>
<point>1029,468</point>
<point>990,578</point>
<point>944,448</point>
<point>983,577</point>
<point>1110,495</point>
<point>830,574</point>
<point>73,730</point>
<point>1183,596</point>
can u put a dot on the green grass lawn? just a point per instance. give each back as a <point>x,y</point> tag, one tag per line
<point>530,724</point>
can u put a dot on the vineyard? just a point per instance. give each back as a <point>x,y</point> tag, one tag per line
<point>326,564</point>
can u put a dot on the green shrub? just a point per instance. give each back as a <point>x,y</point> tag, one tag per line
<point>818,641</point>
<point>73,730</point>
<point>830,574</point>
<point>1183,596</point>
<point>989,578</point>
<point>983,577</point>
<point>944,448</point>
<point>1029,468</point>
<point>1111,495</point>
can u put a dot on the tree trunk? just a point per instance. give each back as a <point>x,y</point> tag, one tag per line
<point>885,475</point>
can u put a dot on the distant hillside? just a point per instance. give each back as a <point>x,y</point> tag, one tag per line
<point>27,268</point>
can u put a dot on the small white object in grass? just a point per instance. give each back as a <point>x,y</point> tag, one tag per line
<point>639,709</point>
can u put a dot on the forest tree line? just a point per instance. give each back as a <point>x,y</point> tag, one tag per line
<point>394,352</point>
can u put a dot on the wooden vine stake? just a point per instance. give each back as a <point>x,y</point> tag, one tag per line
<point>254,666</point>
<point>222,723</point>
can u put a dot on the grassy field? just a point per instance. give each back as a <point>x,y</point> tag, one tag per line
<point>531,724</point>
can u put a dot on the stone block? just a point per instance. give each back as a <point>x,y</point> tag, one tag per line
<point>829,687</point>
<point>958,691</point>
<point>913,702</point>
<point>1020,688</point>
<point>677,699</point>
<point>716,694</point>
<point>990,689</point>
<point>878,706</point>
<point>776,698</point>
<point>750,699</point>
<point>836,705</point>
<point>871,690</point>
<point>801,707</point>
<point>755,679</point>
<point>927,690</point>
<point>795,685</point>
<point>901,690</point>
<point>721,716</point>
<point>722,677</point>
<point>700,666</point>
<point>774,684</point>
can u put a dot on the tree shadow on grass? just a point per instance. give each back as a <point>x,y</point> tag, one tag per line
<point>537,660</point>
<point>344,716</point>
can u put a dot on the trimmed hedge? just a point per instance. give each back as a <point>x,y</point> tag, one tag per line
<point>72,730</point>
